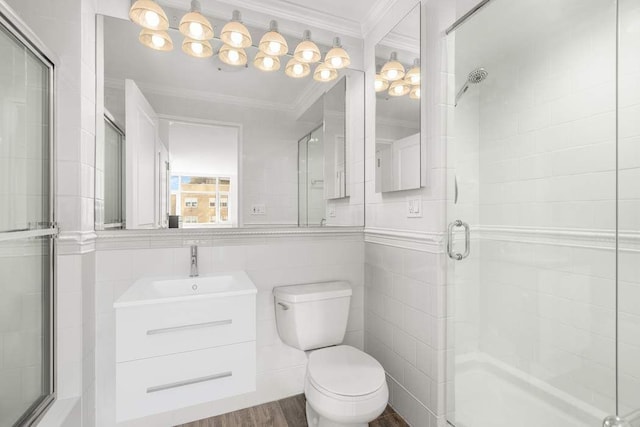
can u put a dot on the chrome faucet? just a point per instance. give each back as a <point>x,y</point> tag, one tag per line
<point>194,261</point>
<point>323,222</point>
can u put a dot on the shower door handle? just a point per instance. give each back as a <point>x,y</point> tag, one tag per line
<point>467,240</point>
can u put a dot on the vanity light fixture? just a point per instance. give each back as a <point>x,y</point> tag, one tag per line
<point>266,63</point>
<point>399,88</point>
<point>194,25</point>
<point>272,43</point>
<point>307,51</point>
<point>235,37</point>
<point>297,69</point>
<point>148,14</point>
<point>415,92</point>
<point>197,48</point>
<point>323,73</point>
<point>393,70</point>
<point>157,40</point>
<point>380,83</point>
<point>234,33</point>
<point>413,75</point>
<point>232,55</point>
<point>337,57</point>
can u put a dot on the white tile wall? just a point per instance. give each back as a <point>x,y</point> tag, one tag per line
<point>269,263</point>
<point>404,311</point>
<point>534,146</point>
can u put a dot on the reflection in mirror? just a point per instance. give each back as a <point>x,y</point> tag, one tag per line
<point>397,85</point>
<point>194,142</point>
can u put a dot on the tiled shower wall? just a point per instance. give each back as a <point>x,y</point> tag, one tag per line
<point>269,262</point>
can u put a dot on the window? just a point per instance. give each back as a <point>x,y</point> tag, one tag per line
<point>201,200</point>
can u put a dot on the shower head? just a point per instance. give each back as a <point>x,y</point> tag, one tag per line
<point>476,76</point>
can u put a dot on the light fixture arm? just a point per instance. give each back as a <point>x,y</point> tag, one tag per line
<point>195,6</point>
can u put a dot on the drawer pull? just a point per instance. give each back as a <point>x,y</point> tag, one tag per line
<point>189,382</point>
<point>188,327</point>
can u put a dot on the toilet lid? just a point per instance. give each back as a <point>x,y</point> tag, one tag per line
<point>345,370</point>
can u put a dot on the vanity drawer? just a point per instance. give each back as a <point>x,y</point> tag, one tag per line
<point>160,384</point>
<point>161,329</point>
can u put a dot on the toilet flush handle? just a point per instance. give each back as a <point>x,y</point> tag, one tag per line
<point>284,306</point>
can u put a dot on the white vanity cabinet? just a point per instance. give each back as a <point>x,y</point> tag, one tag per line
<point>184,342</point>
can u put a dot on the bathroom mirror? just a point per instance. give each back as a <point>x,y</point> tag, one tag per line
<point>397,85</point>
<point>193,142</point>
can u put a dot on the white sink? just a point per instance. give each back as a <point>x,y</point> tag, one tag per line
<point>162,290</point>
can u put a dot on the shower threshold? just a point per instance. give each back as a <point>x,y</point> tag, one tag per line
<point>490,393</point>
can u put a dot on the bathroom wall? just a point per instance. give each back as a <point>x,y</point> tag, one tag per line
<point>405,261</point>
<point>404,324</point>
<point>269,261</point>
<point>539,187</point>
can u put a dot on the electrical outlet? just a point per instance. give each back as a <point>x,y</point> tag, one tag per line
<point>258,210</point>
<point>414,207</point>
<point>332,211</point>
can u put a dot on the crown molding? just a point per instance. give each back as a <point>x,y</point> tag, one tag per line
<point>291,11</point>
<point>401,42</point>
<point>379,9</point>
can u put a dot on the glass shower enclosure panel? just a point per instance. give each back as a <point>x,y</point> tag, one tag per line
<point>629,211</point>
<point>532,224</point>
<point>311,199</point>
<point>26,230</point>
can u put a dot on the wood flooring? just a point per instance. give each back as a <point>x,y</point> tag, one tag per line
<point>288,412</point>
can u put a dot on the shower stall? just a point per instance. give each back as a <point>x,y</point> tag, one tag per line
<point>544,237</point>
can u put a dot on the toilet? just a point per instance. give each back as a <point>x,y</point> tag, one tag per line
<point>343,385</point>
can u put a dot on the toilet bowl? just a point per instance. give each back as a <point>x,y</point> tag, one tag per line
<point>344,386</point>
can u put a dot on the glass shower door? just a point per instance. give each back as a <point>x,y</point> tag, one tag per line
<point>26,231</point>
<point>629,211</point>
<point>532,162</point>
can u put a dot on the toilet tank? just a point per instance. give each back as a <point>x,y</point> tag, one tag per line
<point>313,315</point>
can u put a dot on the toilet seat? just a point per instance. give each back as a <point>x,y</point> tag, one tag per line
<point>345,385</point>
<point>345,372</point>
